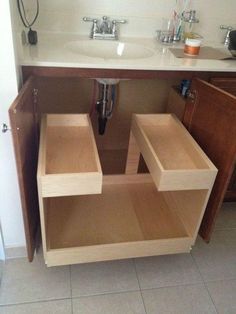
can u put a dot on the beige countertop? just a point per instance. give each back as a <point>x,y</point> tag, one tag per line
<point>52,51</point>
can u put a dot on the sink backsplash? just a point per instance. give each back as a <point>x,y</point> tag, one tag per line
<point>144,17</point>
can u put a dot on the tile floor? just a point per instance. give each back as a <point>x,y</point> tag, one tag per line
<point>201,282</point>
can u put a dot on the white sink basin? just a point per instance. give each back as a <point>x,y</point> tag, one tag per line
<point>109,49</point>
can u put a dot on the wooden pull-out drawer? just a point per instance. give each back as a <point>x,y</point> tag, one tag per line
<point>129,219</point>
<point>68,158</point>
<point>174,159</point>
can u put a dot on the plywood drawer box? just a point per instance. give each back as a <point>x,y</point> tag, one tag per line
<point>174,159</point>
<point>68,159</point>
<point>129,219</point>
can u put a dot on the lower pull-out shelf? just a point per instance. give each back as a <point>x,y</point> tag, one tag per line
<point>129,219</point>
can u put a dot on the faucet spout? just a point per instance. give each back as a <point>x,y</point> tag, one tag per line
<point>105,27</point>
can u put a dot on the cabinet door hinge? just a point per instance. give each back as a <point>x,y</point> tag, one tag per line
<point>35,95</point>
<point>191,95</point>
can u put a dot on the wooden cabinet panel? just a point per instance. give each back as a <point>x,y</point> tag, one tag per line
<point>210,118</point>
<point>176,103</point>
<point>229,85</point>
<point>23,117</point>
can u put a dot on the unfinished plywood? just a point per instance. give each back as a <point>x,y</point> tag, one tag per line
<point>189,206</point>
<point>130,210</point>
<point>68,159</point>
<point>131,218</point>
<point>133,157</point>
<point>174,159</point>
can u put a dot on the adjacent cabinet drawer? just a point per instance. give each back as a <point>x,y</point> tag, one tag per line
<point>87,218</point>
<point>174,159</point>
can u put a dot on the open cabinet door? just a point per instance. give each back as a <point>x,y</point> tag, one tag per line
<point>210,117</point>
<point>23,118</point>
<point>226,83</point>
<point>229,85</point>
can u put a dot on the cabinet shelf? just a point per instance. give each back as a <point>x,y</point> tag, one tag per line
<point>174,159</point>
<point>68,161</point>
<point>130,218</point>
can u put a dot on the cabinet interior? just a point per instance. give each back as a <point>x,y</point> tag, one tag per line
<point>74,95</point>
<point>126,212</point>
<point>85,219</point>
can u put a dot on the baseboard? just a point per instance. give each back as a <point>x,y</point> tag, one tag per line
<point>15,252</point>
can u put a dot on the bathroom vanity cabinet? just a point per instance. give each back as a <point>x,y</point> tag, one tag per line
<point>156,213</point>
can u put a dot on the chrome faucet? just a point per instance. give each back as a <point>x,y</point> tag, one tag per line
<point>228,30</point>
<point>105,29</point>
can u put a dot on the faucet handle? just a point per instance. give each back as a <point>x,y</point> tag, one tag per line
<point>94,29</point>
<point>89,19</point>
<point>228,28</point>
<point>119,21</point>
<point>114,27</point>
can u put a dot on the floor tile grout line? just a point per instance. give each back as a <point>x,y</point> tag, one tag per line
<point>225,229</point>
<point>71,301</point>
<point>100,294</point>
<point>136,272</point>
<point>32,302</point>
<point>217,280</point>
<point>204,283</point>
<point>135,290</point>
<point>174,286</point>
<point>76,297</point>
<point>105,293</point>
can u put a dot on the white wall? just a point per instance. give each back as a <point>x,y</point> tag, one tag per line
<point>145,16</point>
<point>2,248</point>
<point>10,208</point>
